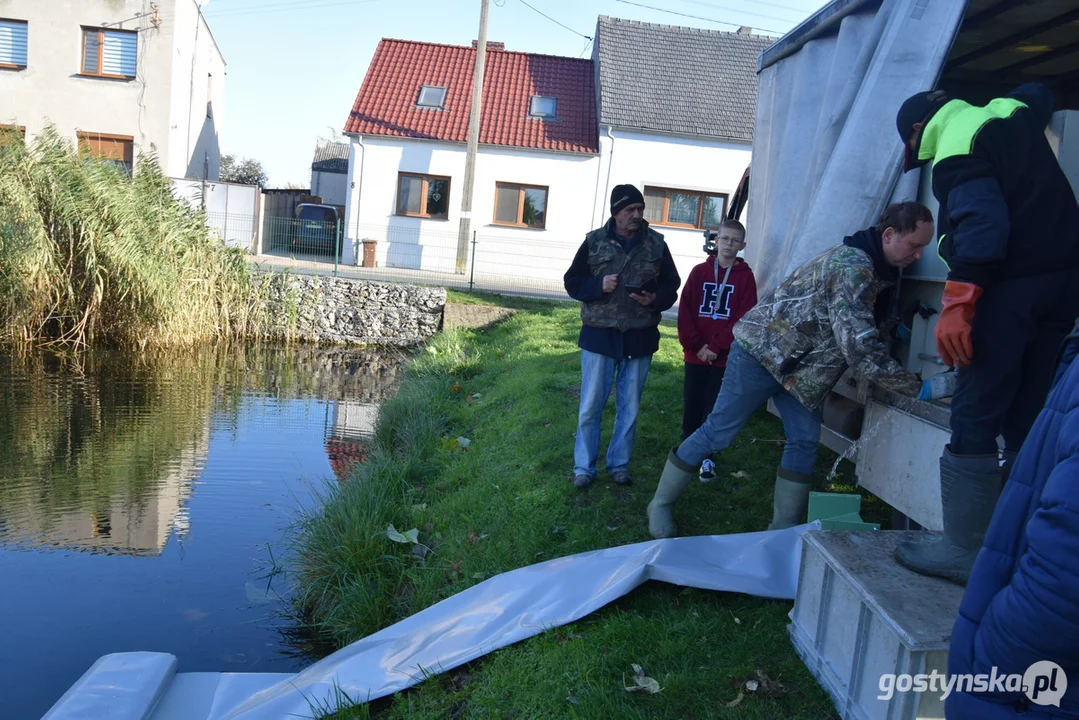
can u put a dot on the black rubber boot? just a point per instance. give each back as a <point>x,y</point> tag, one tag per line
<point>969,488</point>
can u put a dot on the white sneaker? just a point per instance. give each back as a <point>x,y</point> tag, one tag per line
<point>708,471</point>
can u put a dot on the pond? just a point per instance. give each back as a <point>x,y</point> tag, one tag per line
<point>144,503</point>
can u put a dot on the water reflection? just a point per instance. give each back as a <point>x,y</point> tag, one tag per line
<point>140,499</point>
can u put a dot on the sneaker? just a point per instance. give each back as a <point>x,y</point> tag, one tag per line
<point>582,480</point>
<point>622,478</point>
<point>708,471</point>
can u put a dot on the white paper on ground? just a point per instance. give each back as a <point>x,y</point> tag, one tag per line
<point>519,604</point>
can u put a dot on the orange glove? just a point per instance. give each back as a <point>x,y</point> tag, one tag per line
<point>953,326</point>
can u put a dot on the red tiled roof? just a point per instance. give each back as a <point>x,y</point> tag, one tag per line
<point>386,103</point>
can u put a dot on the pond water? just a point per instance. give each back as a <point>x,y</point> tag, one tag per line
<point>144,501</point>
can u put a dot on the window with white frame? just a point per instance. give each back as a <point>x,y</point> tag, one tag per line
<point>109,53</point>
<point>543,107</point>
<point>13,44</point>
<point>432,96</point>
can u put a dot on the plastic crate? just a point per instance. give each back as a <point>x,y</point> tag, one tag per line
<point>858,615</point>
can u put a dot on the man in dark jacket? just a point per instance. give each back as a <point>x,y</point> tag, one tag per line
<point>1021,606</point>
<point>1009,233</point>
<point>625,277</point>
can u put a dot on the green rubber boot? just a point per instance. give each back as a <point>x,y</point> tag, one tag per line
<point>969,488</point>
<point>672,483</point>
<point>791,499</point>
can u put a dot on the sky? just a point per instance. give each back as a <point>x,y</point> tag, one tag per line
<point>294,67</point>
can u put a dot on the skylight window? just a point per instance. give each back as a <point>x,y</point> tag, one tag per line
<point>432,96</point>
<point>543,107</point>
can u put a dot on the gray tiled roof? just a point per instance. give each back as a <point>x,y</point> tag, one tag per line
<point>330,157</point>
<point>677,79</point>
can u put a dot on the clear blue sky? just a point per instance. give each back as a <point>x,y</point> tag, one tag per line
<point>295,66</point>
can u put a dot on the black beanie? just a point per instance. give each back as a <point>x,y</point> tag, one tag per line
<point>624,195</point>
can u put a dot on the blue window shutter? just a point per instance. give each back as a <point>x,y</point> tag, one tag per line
<point>12,43</point>
<point>119,54</point>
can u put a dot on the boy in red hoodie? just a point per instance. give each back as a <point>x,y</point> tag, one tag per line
<point>717,294</point>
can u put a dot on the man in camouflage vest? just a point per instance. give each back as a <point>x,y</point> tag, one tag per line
<point>794,346</point>
<point>625,277</point>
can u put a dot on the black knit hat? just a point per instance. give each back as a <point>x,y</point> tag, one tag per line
<point>918,108</point>
<point>624,195</point>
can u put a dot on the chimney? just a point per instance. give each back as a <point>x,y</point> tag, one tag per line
<point>745,30</point>
<point>490,45</point>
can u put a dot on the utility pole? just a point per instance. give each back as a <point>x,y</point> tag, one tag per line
<point>473,142</point>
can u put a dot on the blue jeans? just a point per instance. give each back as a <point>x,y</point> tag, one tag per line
<point>597,376</point>
<point>747,386</point>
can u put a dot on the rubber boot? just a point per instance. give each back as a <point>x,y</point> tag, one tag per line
<point>969,488</point>
<point>791,499</point>
<point>672,483</point>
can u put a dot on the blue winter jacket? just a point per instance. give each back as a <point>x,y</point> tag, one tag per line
<point>1021,605</point>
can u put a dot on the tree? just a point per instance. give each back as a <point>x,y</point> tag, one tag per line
<point>245,171</point>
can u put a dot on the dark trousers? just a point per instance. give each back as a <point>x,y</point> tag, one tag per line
<point>1019,325</point>
<point>699,392</point>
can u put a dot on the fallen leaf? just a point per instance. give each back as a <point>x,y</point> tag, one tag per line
<point>752,685</point>
<point>456,387</point>
<point>642,682</point>
<point>740,474</point>
<point>572,700</point>
<point>737,701</point>
<point>737,621</point>
<point>473,538</point>
<point>474,396</point>
<point>419,508</point>
<point>412,536</point>
<point>464,442</point>
<point>479,576</point>
<point>547,425</point>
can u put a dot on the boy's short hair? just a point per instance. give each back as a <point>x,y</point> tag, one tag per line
<point>734,225</point>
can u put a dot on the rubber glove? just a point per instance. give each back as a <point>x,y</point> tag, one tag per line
<point>953,326</point>
<point>939,386</point>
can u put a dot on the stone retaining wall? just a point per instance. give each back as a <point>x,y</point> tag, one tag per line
<point>353,312</point>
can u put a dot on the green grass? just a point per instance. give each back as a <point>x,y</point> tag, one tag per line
<point>507,501</point>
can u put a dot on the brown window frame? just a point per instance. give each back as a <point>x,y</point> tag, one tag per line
<point>101,53</point>
<point>82,135</point>
<point>702,194</point>
<point>12,66</point>
<point>423,195</point>
<point>521,205</point>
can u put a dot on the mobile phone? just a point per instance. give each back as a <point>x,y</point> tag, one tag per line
<point>651,285</point>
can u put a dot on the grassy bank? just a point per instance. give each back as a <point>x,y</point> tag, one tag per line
<point>506,501</point>
<point>92,255</point>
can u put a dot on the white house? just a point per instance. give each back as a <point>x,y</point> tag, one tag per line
<point>118,77</point>
<point>668,109</point>
<point>535,176</point>
<point>676,110</point>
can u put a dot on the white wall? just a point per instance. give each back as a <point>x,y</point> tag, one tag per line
<point>432,244</point>
<point>672,162</point>
<point>145,108</point>
<point>331,187</point>
<point>197,108</point>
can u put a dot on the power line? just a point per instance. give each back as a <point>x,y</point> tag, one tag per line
<point>730,9</point>
<point>556,22</point>
<point>695,17</point>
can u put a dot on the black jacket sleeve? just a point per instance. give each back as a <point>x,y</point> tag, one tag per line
<point>669,282</point>
<point>579,281</point>
<point>979,219</point>
<point>1039,99</point>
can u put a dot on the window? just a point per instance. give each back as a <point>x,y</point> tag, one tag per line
<point>520,205</point>
<point>119,149</point>
<point>432,96</point>
<point>13,44</point>
<point>109,53</point>
<point>543,107</point>
<point>423,196</point>
<point>684,208</point>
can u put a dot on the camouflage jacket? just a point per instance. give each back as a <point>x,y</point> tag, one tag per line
<point>819,322</point>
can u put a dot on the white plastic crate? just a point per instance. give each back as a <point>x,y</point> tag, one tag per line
<point>858,614</point>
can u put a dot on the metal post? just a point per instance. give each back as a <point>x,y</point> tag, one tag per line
<point>336,246</point>
<point>472,273</point>
<point>473,141</point>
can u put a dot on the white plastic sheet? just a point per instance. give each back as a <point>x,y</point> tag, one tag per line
<point>826,154</point>
<point>516,605</point>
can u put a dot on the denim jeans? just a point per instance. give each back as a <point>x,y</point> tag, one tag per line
<point>598,373</point>
<point>747,386</point>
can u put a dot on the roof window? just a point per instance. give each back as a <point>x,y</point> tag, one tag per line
<point>433,96</point>
<point>543,107</point>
